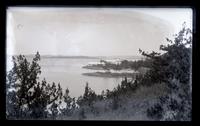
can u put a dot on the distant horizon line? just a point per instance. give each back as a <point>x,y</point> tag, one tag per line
<point>49,55</point>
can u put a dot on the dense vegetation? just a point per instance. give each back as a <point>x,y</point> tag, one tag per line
<point>174,69</point>
<point>27,98</point>
<point>124,64</point>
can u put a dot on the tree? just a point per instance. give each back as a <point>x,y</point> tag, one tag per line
<point>29,98</point>
<point>176,60</point>
<point>88,97</point>
<point>70,103</point>
<point>67,99</point>
<point>174,69</point>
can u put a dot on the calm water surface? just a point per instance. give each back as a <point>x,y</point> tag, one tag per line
<point>68,72</point>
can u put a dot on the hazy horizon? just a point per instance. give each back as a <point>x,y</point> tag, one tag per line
<point>77,55</point>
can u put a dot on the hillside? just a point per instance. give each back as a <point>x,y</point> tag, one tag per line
<point>130,106</point>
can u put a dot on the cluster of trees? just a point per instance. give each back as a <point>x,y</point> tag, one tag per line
<point>27,98</point>
<point>125,64</point>
<point>174,69</point>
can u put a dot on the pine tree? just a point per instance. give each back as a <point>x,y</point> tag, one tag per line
<point>29,98</point>
<point>88,97</point>
<point>70,103</point>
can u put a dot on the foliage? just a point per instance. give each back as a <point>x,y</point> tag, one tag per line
<point>155,112</point>
<point>124,64</point>
<point>29,98</point>
<point>174,68</point>
<point>88,97</point>
<point>70,104</point>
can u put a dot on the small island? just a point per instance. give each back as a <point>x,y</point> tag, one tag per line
<point>110,74</point>
<point>117,68</point>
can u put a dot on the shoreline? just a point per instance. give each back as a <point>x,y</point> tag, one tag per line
<point>111,75</point>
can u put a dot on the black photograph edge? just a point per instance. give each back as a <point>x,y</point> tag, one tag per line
<point>114,4</point>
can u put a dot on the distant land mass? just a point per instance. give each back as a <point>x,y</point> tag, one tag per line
<point>69,57</point>
<point>60,56</point>
<point>86,57</point>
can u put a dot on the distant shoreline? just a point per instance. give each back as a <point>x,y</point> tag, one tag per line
<point>71,57</point>
<point>84,57</point>
<point>109,74</point>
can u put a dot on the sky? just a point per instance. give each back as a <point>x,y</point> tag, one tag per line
<point>91,31</point>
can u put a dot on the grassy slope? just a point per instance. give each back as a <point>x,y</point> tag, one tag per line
<point>132,106</point>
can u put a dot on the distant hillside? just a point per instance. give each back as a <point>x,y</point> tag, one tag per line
<point>58,56</point>
<point>86,57</point>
